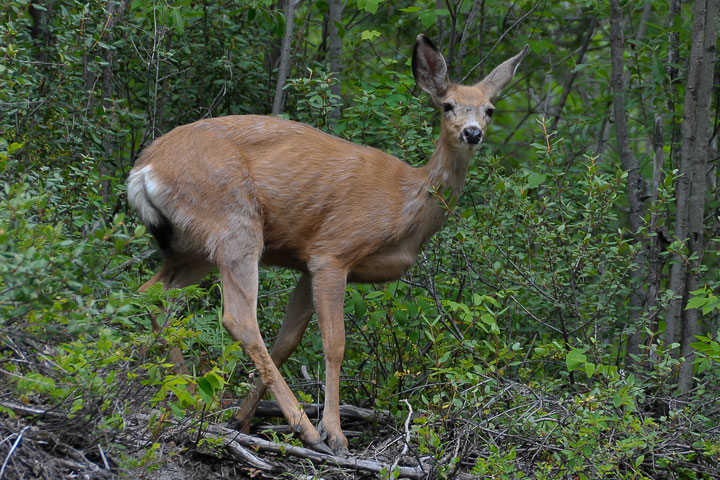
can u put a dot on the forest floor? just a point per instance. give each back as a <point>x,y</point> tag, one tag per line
<point>45,444</point>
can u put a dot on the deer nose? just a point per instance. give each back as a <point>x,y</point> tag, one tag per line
<point>472,135</point>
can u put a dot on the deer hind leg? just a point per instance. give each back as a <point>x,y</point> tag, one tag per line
<point>328,287</point>
<point>240,284</point>
<point>179,270</point>
<point>297,317</point>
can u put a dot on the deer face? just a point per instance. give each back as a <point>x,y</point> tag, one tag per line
<point>466,114</point>
<point>466,110</point>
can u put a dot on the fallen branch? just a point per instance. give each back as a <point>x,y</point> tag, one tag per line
<point>229,436</point>
<point>12,449</point>
<point>287,430</point>
<point>241,453</point>
<point>26,411</point>
<point>407,434</point>
<point>313,410</point>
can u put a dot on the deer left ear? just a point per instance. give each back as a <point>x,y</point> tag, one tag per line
<point>429,67</point>
<point>502,74</point>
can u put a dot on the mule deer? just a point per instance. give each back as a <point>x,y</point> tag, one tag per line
<point>237,191</point>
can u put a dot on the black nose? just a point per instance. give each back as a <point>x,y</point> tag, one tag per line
<point>472,135</point>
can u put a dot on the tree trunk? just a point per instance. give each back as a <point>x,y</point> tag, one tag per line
<point>654,259</point>
<point>480,74</point>
<point>630,165</point>
<point>470,22</point>
<point>655,262</point>
<point>696,138</point>
<point>115,10</point>
<point>284,67</point>
<point>335,54</point>
<point>40,11</point>
<point>440,23</point>
<point>567,87</point>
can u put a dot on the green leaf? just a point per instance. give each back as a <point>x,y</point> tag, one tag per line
<point>427,18</point>
<point>696,302</point>
<point>369,5</point>
<point>575,358</point>
<point>359,305</point>
<point>410,9</point>
<point>369,34</point>
<point>535,179</point>
<point>205,390</point>
<point>177,21</point>
<point>177,411</point>
<point>541,351</point>
<point>214,380</point>
<point>589,369</point>
<point>658,70</point>
<point>487,318</point>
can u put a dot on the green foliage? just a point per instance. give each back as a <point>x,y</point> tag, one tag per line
<point>508,337</point>
<point>314,100</point>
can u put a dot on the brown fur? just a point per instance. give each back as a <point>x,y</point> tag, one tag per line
<point>240,190</point>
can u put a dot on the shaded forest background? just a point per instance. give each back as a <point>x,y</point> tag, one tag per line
<point>564,324</point>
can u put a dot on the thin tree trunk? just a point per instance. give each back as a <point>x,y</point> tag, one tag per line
<point>630,164</point>
<point>696,137</point>
<point>691,146</point>
<point>654,259</point>
<point>335,54</point>
<point>115,10</point>
<point>440,22</point>
<point>481,39</point>
<point>463,39</point>
<point>284,67</point>
<point>450,57</point>
<point>571,79</point>
<point>40,12</point>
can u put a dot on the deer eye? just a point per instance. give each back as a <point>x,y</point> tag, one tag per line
<point>447,107</point>
<point>489,112</point>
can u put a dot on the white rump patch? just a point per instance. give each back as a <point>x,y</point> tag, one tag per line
<point>143,193</point>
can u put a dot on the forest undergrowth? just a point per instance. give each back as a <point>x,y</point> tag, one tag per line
<point>531,338</point>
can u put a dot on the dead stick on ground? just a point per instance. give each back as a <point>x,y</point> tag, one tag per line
<point>12,449</point>
<point>104,458</point>
<point>313,456</point>
<point>407,435</point>
<point>312,410</point>
<point>241,453</point>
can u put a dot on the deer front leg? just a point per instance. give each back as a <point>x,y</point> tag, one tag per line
<point>328,287</point>
<point>297,317</point>
<point>240,284</point>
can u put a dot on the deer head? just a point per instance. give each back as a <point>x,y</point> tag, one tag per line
<point>466,110</point>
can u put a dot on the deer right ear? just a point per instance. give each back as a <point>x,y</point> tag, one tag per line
<point>429,68</point>
<point>502,74</point>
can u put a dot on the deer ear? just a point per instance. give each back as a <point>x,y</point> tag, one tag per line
<point>429,68</point>
<point>502,74</point>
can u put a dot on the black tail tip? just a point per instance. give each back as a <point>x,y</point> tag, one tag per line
<point>163,233</point>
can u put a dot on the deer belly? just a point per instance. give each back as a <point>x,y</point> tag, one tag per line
<point>383,266</point>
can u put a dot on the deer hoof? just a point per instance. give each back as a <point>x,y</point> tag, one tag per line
<point>342,452</point>
<point>322,448</point>
<point>337,442</point>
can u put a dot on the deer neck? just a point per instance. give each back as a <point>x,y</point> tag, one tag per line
<point>446,170</point>
<point>431,187</point>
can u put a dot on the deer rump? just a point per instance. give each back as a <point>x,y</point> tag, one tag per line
<point>235,191</point>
